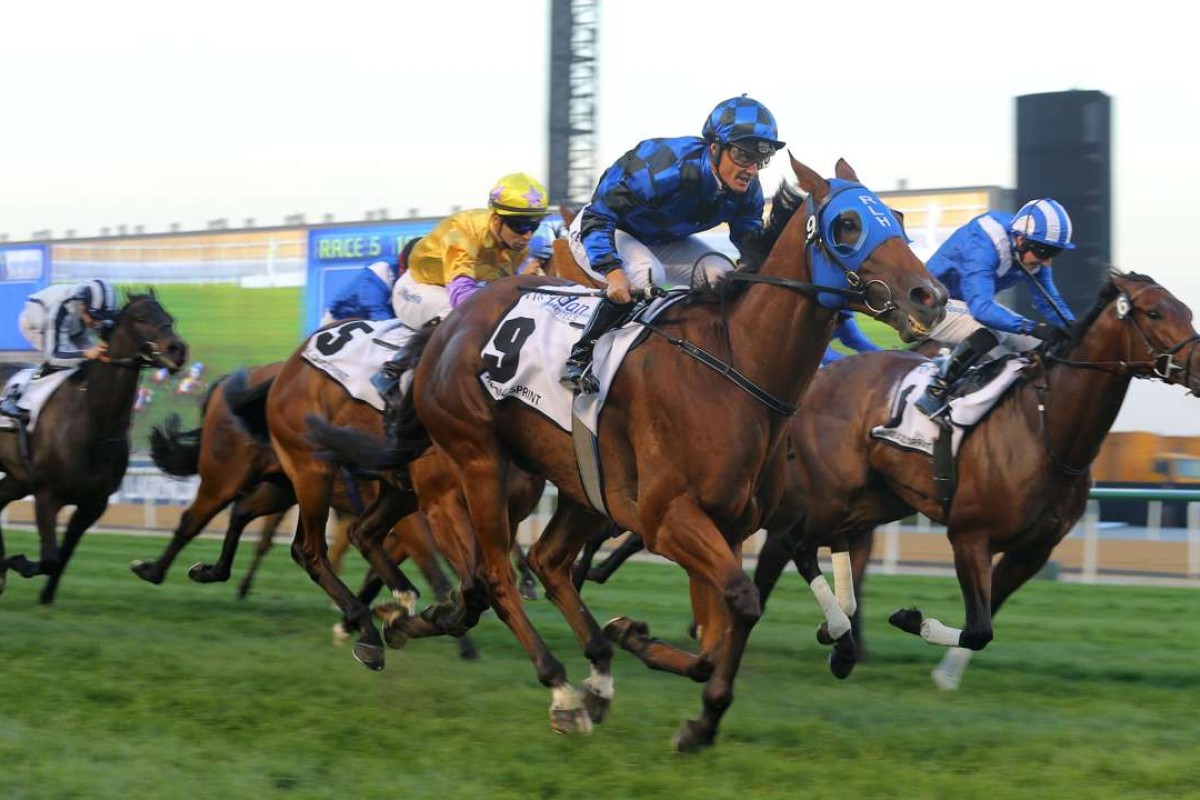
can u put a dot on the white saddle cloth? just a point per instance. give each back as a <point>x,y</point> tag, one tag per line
<point>917,431</point>
<point>524,357</point>
<point>34,394</point>
<point>353,351</point>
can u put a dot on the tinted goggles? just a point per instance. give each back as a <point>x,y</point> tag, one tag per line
<point>521,225</point>
<point>1044,252</point>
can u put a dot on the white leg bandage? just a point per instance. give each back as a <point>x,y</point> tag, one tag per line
<point>935,632</point>
<point>600,684</point>
<point>947,675</point>
<point>837,620</point>
<point>843,583</point>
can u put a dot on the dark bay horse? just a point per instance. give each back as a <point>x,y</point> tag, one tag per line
<point>1024,470</point>
<point>80,447</point>
<point>301,395</point>
<point>688,459</point>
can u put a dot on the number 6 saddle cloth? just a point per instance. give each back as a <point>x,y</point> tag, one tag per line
<point>351,352</point>
<point>525,355</point>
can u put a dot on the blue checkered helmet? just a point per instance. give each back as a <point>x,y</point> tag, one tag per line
<point>101,300</point>
<point>741,118</point>
<point>1044,221</point>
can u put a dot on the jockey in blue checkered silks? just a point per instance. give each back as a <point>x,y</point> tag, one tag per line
<point>639,228</point>
<point>989,254</point>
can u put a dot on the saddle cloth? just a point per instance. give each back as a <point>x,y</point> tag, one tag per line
<point>524,357</point>
<point>353,351</point>
<point>34,393</point>
<point>909,429</point>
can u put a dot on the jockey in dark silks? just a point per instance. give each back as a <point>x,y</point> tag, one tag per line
<point>369,294</point>
<point>989,254</point>
<point>639,228</point>
<point>848,333</point>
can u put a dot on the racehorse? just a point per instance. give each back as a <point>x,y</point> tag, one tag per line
<point>688,460</point>
<point>1024,470</point>
<point>300,395</point>
<point>79,448</point>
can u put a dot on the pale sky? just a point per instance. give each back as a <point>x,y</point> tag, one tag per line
<point>147,113</point>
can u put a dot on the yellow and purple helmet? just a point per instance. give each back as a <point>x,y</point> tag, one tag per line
<point>519,195</point>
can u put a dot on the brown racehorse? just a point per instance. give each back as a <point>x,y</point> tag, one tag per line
<point>301,395</point>
<point>79,448</point>
<point>688,458</point>
<point>1024,470</point>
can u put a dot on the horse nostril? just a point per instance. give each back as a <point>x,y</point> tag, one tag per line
<point>921,296</point>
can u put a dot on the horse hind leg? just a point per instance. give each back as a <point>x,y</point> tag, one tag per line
<point>974,568</point>
<point>46,508</point>
<point>9,490</point>
<point>194,519</point>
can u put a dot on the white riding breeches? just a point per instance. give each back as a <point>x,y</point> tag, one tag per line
<point>417,304</point>
<point>958,324</point>
<point>32,322</point>
<point>670,264</point>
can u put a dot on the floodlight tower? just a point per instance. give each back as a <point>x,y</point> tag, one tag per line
<point>574,27</point>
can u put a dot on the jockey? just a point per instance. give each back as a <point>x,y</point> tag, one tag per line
<point>991,253</point>
<point>469,249</point>
<point>59,321</point>
<point>541,250</point>
<point>639,228</point>
<point>848,333</point>
<point>369,295</point>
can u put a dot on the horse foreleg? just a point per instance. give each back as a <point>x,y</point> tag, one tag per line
<point>579,571</point>
<point>266,538</point>
<point>772,560</point>
<point>208,504</point>
<point>1011,572</point>
<point>390,506</point>
<point>45,509</point>
<point>85,514</point>
<point>551,557</point>
<point>687,536</point>
<point>521,561</point>
<point>972,563</point>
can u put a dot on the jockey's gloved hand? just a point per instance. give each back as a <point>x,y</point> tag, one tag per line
<point>1048,333</point>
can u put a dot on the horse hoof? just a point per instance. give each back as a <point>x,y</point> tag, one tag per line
<point>369,655</point>
<point>570,720</point>
<point>945,681</point>
<point>529,590</point>
<point>621,629</point>
<point>341,634</point>
<point>908,620</point>
<point>146,571</point>
<point>466,650</point>
<point>841,658</point>
<point>205,573</point>
<point>823,636</point>
<point>393,633</point>
<point>691,738</point>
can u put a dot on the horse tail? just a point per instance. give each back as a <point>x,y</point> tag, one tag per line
<point>174,450</point>
<point>405,436</point>
<point>249,404</point>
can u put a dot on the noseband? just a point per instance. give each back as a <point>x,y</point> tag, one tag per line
<point>148,355</point>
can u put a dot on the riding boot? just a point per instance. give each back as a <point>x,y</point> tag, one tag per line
<point>964,355</point>
<point>387,378</point>
<point>606,316</point>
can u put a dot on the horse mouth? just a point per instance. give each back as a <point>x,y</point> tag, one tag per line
<point>917,327</point>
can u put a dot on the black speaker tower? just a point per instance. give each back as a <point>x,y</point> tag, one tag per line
<point>1064,151</point>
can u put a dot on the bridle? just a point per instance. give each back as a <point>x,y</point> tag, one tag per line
<point>1162,365</point>
<point>148,355</point>
<point>856,289</point>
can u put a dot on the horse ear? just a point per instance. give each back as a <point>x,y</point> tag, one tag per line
<point>810,180</point>
<point>844,171</point>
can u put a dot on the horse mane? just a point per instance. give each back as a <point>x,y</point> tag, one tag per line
<point>755,248</point>
<point>1108,292</point>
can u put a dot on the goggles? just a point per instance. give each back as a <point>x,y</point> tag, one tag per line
<point>521,225</point>
<point>1044,252</point>
<point>748,158</point>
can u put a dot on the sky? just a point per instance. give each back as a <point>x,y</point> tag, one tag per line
<point>147,113</point>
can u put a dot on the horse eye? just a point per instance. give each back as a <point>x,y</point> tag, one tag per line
<point>1152,314</point>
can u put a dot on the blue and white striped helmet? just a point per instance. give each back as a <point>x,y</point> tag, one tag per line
<point>1044,221</point>
<point>101,300</point>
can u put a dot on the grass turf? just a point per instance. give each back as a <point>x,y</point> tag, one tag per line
<point>127,690</point>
